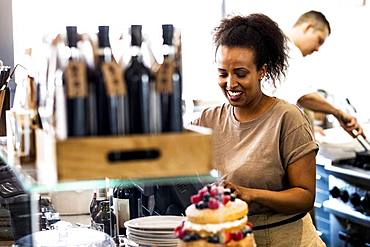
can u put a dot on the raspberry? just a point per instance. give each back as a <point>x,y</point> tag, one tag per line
<point>213,203</point>
<point>178,229</point>
<point>203,191</point>
<point>213,192</point>
<point>237,235</point>
<point>195,199</point>
<point>180,232</point>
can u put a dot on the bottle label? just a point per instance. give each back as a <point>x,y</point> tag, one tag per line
<point>123,211</point>
<point>164,76</point>
<point>76,79</point>
<point>113,79</point>
<point>115,212</point>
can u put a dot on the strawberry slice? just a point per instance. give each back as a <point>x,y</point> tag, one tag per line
<point>225,237</point>
<point>226,199</point>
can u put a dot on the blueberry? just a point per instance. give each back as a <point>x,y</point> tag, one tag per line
<point>227,192</point>
<point>187,238</point>
<point>195,236</point>
<point>209,187</point>
<point>191,237</point>
<point>206,197</point>
<point>232,197</point>
<point>201,205</point>
<point>213,239</point>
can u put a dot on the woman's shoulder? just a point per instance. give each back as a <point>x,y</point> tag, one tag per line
<point>285,106</point>
<point>216,110</point>
<point>211,114</point>
<point>290,112</point>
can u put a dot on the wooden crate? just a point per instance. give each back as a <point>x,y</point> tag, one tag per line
<point>139,156</point>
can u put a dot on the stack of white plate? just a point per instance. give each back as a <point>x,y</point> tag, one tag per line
<point>153,230</point>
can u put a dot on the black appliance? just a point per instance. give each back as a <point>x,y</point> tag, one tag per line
<point>16,201</point>
<point>349,203</point>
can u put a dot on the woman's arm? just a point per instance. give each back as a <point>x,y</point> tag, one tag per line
<point>298,198</point>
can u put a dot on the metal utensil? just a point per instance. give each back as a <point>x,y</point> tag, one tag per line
<point>364,143</point>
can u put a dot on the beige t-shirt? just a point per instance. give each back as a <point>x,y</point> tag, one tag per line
<point>255,154</point>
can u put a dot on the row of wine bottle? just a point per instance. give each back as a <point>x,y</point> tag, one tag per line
<point>114,100</point>
<point>102,216</point>
<point>109,213</point>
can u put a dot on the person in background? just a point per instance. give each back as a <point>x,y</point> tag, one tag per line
<point>306,37</point>
<point>263,145</point>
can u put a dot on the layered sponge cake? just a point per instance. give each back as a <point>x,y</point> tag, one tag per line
<point>216,218</point>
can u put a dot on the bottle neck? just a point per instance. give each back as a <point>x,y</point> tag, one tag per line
<point>74,53</point>
<point>136,51</point>
<point>168,50</point>
<point>105,54</point>
<point>101,195</point>
<point>136,54</point>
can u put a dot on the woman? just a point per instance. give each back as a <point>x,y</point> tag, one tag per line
<point>263,144</point>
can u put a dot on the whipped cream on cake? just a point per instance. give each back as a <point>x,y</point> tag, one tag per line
<point>216,217</point>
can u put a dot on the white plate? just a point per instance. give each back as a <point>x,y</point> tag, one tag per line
<point>148,238</point>
<point>165,222</point>
<point>149,232</point>
<point>152,237</point>
<point>153,243</point>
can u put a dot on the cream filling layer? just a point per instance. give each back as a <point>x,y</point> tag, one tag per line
<point>214,228</point>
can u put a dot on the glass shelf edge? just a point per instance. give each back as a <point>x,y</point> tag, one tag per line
<point>95,184</point>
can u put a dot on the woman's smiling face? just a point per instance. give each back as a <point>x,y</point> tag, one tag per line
<point>238,76</point>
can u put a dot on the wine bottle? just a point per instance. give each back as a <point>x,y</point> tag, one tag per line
<point>105,219</point>
<point>123,209</point>
<point>75,81</point>
<point>93,203</point>
<point>113,217</point>
<point>127,206</point>
<point>168,84</point>
<point>86,46</point>
<point>101,196</point>
<point>115,208</point>
<point>138,78</point>
<point>112,100</point>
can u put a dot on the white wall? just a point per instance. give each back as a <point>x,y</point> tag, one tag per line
<point>340,66</point>
<point>196,19</point>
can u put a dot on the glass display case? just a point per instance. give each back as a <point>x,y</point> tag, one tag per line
<point>88,204</point>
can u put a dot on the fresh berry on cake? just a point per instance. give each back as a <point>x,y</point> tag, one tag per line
<point>216,218</point>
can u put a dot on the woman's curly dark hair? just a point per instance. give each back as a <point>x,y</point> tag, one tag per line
<point>259,33</point>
